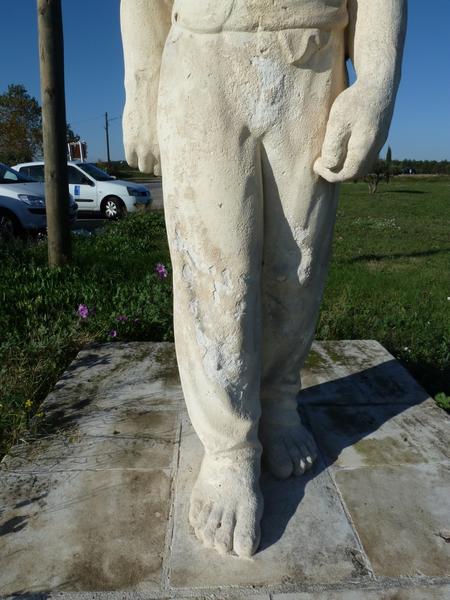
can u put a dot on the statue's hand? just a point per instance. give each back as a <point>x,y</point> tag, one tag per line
<point>356,131</point>
<point>140,136</point>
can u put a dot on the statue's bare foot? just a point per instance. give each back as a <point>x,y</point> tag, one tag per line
<point>288,448</point>
<point>227,504</point>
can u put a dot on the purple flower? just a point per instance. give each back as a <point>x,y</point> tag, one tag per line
<point>113,333</point>
<point>83,311</point>
<point>161,271</point>
<point>122,318</point>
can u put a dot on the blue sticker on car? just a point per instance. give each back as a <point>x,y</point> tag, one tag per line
<point>77,190</point>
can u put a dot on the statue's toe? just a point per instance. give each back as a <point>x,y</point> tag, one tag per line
<point>247,533</point>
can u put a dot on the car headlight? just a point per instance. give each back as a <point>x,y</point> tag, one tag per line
<point>32,200</point>
<point>141,193</point>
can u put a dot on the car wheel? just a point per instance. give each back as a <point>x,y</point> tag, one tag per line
<point>113,208</point>
<point>9,226</point>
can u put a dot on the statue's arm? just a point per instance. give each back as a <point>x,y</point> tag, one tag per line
<point>360,117</point>
<point>145,25</point>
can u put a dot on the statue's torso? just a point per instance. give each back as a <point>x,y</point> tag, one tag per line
<point>253,15</point>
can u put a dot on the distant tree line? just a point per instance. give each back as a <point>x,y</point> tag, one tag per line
<point>421,167</point>
<point>385,168</point>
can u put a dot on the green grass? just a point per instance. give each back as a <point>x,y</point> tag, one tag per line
<point>389,280</point>
<point>113,273</point>
<point>390,274</point>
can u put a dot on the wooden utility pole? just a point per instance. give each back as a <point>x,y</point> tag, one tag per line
<point>51,56</point>
<point>107,140</point>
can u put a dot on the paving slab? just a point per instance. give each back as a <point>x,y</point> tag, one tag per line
<point>83,531</point>
<point>356,372</point>
<point>392,434</point>
<point>131,426</point>
<point>145,594</point>
<point>306,537</point>
<point>432,592</point>
<point>90,511</point>
<point>115,378</point>
<point>136,440</point>
<point>342,357</point>
<point>402,515</point>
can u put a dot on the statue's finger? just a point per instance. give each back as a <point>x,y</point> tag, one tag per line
<point>131,156</point>
<point>146,163</point>
<point>326,173</point>
<point>334,147</point>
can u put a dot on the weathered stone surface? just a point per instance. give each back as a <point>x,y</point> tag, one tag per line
<point>138,440</point>
<point>356,372</point>
<point>85,510</point>
<point>400,514</point>
<point>115,407</point>
<point>368,435</point>
<point>342,357</point>
<point>85,531</point>
<point>435,592</point>
<point>306,537</point>
<point>233,594</point>
<point>115,378</point>
<point>93,515</point>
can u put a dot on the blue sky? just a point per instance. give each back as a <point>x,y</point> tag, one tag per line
<point>94,73</point>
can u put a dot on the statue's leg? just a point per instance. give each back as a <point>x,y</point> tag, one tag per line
<point>299,216</point>
<point>213,206</point>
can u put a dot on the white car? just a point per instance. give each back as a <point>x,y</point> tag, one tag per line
<point>22,204</point>
<point>95,190</point>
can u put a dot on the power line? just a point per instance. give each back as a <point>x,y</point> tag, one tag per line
<point>77,122</point>
<point>85,120</point>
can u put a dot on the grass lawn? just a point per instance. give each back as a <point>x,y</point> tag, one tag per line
<point>389,280</point>
<point>41,329</point>
<point>390,274</point>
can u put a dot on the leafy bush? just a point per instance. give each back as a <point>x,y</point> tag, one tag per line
<point>443,401</point>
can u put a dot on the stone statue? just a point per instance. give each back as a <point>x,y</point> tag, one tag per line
<point>247,103</point>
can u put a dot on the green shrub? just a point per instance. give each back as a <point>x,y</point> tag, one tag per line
<point>443,401</point>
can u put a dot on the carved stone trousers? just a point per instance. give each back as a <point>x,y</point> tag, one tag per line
<point>241,120</point>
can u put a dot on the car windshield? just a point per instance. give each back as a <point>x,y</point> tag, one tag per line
<point>8,175</point>
<point>94,172</point>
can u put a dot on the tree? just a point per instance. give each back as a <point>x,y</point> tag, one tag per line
<point>382,169</point>
<point>71,135</point>
<point>376,174</point>
<point>20,126</point>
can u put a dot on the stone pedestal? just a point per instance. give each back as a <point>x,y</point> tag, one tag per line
<point>97,506</point>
